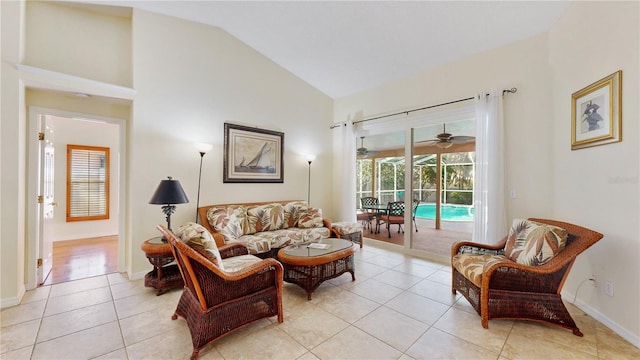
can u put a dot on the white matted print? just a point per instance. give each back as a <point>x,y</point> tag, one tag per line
<point>595,113</point>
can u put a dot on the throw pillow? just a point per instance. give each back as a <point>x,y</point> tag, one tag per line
<point>291,213</point>
<point>254,220</point>
<point>532,243</point>
<point>309,217</point>
<point>230,221</point>
<point>266,217</point>
<point>196,234</point>
<point>273,217</point>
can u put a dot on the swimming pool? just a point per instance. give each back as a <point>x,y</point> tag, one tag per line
<point>447,212</point>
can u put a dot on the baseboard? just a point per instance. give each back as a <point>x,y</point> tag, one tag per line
<point>87,236</point>
<point>13,301</point>
<point>138,275</point>
<point>400,249</point>
<point>624,333</point>
<point>383,244</point>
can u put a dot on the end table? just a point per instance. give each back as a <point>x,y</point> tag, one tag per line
<point>163,277</point>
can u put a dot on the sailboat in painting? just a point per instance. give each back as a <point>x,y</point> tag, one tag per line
<point>259,163</point>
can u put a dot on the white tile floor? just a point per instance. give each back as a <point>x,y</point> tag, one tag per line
<point>399,307</point>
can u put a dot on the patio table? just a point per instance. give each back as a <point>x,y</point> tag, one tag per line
<point>380,209</point>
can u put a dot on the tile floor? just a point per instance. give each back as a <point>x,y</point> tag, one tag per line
<point>399,307</point>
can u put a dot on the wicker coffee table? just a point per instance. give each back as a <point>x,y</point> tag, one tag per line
<point>308,267</point>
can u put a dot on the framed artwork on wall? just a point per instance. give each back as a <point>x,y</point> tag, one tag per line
<point>596,117</point>
<point>252,155</point>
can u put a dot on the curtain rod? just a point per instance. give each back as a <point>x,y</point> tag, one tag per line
<point>406,112</point>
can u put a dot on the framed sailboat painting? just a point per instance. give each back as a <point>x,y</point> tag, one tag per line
<point>252,155</point>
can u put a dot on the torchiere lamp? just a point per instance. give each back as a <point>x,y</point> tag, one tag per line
<point>202,149</point>
<point>168,193</point>
<point>310,158</point>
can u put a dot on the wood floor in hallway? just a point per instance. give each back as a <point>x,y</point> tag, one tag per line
<point>83,258</point>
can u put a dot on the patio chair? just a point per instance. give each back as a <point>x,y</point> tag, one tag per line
<point>527,288</point>
<point>215,302</point>
<point>368,215</point>
<point>394,215</point>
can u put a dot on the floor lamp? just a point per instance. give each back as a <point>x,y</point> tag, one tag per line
<point>202,149</point>
<point>310,158</point>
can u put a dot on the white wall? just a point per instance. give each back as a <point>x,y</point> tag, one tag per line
<point>598,186</point>
<point>80,132</point>
<point>191,79</point>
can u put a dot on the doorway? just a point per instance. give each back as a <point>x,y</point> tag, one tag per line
<point>84,246</point>
<point>424,165</point>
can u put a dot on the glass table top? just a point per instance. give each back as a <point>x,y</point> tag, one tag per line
<point>318,248</point>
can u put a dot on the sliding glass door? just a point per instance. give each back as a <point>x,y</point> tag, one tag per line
<point>442,187</point>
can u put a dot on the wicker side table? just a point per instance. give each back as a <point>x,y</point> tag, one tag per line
<point>163,277</point>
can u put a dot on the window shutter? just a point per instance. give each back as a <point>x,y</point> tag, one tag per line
<point>87,183</point>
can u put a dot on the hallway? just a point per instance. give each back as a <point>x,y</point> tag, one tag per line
<point>83,258</point>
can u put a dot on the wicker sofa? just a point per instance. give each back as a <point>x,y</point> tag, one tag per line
<point>265,227</point>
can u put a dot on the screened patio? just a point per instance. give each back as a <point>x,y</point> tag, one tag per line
<point>441,220</point>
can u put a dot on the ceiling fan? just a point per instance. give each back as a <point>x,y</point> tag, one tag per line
<point>445,140</point>
<point>363,151</point>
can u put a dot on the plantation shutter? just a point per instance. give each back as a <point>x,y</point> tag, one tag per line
<point>87,183</point>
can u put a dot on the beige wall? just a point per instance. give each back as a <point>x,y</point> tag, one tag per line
<point>76,41</point>
<point>191,79</point>
<point>522,65</point>
<point>598,186</point>
<point>12,159</point>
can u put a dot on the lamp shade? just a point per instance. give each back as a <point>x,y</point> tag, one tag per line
<point>169,192</point>
<point>444,144</point>
<point>203,148</point>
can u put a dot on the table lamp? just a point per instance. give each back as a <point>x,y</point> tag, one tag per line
<point>168,193</point>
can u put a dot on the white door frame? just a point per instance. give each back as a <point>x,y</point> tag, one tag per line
<point>33,192</point>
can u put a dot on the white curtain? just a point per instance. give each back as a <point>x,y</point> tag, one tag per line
<point>347,210</point>
<point>489,183</point>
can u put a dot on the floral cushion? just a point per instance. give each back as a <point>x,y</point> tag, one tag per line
<point>254,220</point>
<point>196,234</point>
<point>532,243</point>
<point>230,221</point>
<point>471,266</point>
<point>345,227</point>
<point>264,241</point>
<point>271,217</point>
<point>309,217</point>
<point>264,227</point>
<point>291,211</point>
<point>236,263</point>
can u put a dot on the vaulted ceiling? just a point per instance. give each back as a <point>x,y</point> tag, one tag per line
<point>344,47</point>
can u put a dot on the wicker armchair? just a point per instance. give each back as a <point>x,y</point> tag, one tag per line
<point>510,290</point>
<point>215,302</point>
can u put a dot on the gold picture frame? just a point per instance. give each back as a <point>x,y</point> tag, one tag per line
<point>252,155</point>
<point>596,117</point>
